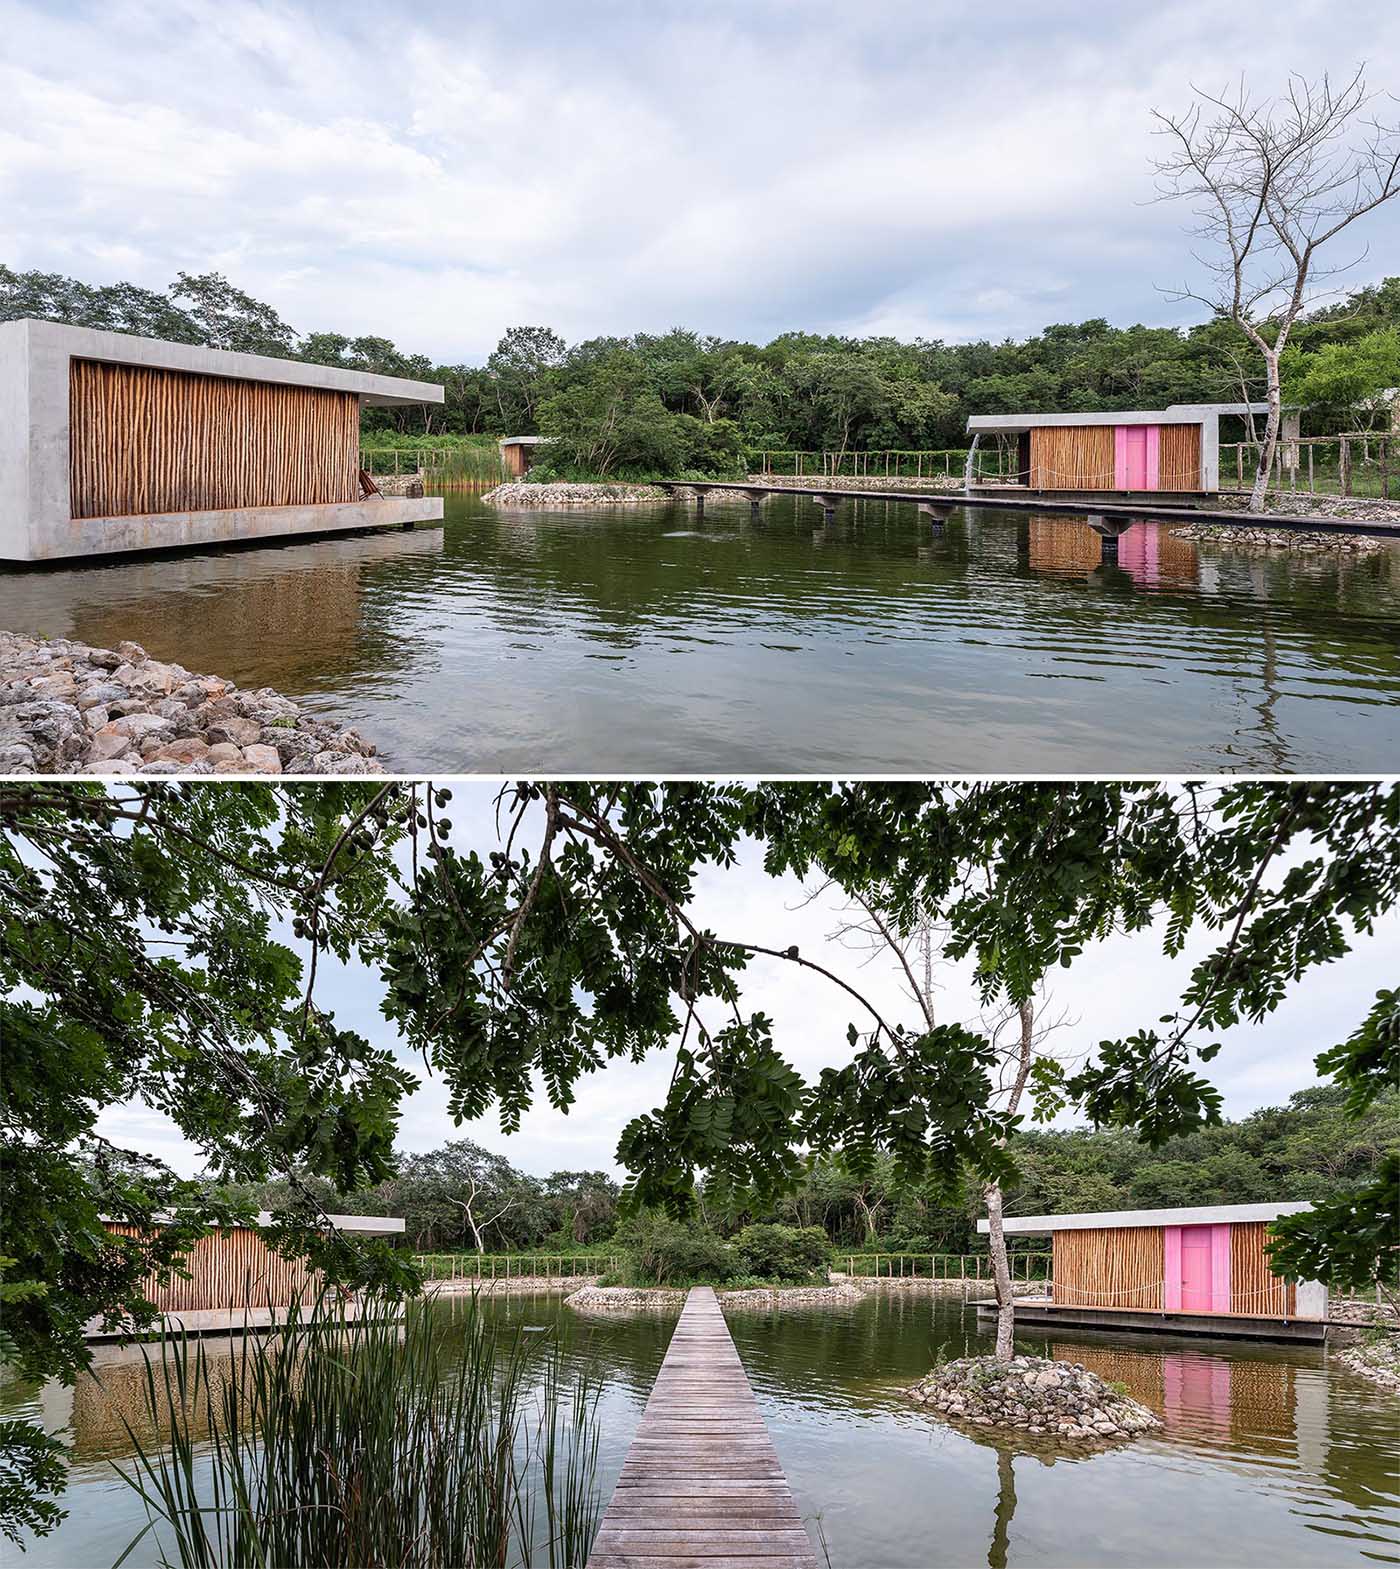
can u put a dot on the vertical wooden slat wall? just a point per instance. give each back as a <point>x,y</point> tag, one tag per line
<point>229,1269</point>
<point>1110,1267</point>
<point>1179,467</point>
<point>144,440</point>
<point>1072,457</point>
<point>1254,1288</point>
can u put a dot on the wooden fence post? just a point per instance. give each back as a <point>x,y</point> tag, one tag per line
<point>1344,466</point>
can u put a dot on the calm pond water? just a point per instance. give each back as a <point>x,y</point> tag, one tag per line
<point>1270,1454</point>
<point>640,640</point>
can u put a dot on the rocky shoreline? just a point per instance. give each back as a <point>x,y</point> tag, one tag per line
<point>1033,1395</point>
<point>67,708</point>
<point>1378,1360</point>
<point>792,1296</point>
<point>517,1285</point>
<point>1259,536</point>
<point>858,482</point>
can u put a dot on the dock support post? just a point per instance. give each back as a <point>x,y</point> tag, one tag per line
<point>828,506</point>
<point>755,502</point>
<point>937,516</point>
<point>699,506</point>
<point>1109,530</point>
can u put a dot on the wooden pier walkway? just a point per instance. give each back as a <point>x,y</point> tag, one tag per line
<point>1108,518</point>
<point>701,1487</point>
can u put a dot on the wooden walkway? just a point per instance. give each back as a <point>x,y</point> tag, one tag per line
<point>1107,512</point>
<point>701,1487</point>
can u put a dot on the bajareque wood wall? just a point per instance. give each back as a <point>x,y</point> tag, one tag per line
<point>1180,464</point>
<point>1080,457</point>
<point>1124,1266</point>
<point>1254,1288</point>
<point>229,1269</point>
<point>145,440</point>
<point>1110,1267</point>
<point>1072,457</point>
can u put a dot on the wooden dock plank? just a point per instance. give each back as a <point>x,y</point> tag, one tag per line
<point>702,1487</point>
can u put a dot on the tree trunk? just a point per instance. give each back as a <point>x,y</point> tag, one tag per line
<point>1001,1272</point>
<point>991,1192</point>
<point>1270,442</point>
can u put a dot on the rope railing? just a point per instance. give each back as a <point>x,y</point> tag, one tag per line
<point>946,1266</point>
<point>1277,1294</point>
<point>514,1266</point>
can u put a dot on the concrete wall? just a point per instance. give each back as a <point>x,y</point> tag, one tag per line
<point>36,522</point>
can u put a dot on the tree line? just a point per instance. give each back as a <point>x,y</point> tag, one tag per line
<point>464,1197</point>
<point>683,401</point>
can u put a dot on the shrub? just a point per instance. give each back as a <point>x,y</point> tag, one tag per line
<point>665,1252</point>
<point>782,1252</point>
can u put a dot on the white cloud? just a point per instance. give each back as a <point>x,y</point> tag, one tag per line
<point>438,173</point>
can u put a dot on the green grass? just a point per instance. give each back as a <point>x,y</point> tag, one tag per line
<point>343,1443</point>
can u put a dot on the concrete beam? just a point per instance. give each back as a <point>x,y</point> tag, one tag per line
<point>84,538</point>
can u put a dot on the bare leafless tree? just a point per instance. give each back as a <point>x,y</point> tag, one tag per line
<point>1272,182</point>
<point>478,1227</point>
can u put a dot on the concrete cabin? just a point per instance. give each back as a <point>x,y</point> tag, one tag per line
<point>113,443</point>
<point>1171,453</point>
<point>518,454</point>
<point>235,1281</point>
<point>1198,1271</point>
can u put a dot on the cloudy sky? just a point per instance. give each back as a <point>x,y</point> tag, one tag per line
<point>439,172</point>
<point>1117,986</point>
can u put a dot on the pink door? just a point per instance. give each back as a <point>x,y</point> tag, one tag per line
<point>1137,457</point>
<point>1195,1269</point>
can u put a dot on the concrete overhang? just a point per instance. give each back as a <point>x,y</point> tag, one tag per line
<point>1192,1215</point>
<point>120,348</point>
<point>1173,414</point>
<point>363,1225</point>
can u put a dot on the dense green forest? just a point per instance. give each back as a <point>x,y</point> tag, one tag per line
<point>682,401</point>
<point>1307,1149</point>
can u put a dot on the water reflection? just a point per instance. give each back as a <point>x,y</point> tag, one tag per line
<point>1261,1443</point>
<point>1276,1446</point>
<point>650,640</point>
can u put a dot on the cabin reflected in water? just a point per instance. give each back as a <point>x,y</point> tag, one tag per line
<point>1150,554</point>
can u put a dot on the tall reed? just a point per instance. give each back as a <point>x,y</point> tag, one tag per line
<point>368,1442</point>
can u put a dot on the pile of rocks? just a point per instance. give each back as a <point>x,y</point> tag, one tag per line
<point>66,708</point>
<point>533,498</point>
<point>1378,1360</point>
<point>517,1285</point>
<point>1062,1400</point>
<point>626,1299</point>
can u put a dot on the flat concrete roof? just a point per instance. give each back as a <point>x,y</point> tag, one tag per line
<point>522,441</point>
<point>365,1225</point>
<point>1173,414</point>
<point>122,348</point>
<point>1192,1215</point>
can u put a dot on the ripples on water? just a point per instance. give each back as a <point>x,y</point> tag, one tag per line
<point>639,640</point>
<point>1270,1454</point>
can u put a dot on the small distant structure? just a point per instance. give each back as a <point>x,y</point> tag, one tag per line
<point>113,443</point>
<point>518,453</point>
<point>1123,454</point>
<point>1197,1270</point>
<point>233,1281</point>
